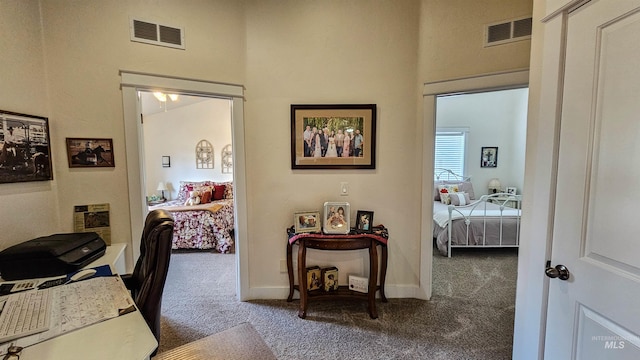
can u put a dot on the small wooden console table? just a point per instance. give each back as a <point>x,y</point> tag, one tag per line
<point>352,241</point>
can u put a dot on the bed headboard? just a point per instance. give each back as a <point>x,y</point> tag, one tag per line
<point>448,175</point>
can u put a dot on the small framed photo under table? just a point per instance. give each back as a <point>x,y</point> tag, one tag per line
<point>336,218</point>
<point>314,278</point>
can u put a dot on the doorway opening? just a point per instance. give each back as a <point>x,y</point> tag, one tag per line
<point>466,125</point>
<point>132,84</point>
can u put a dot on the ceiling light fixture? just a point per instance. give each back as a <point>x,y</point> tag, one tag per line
<point>162,97</point>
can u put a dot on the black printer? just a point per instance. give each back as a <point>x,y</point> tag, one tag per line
<point>52,255</point>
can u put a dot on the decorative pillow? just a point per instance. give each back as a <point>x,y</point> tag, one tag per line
<point>228,190</point>
<point>206,194</point>
<point>218,192</point>
<point>459,199</point>
<point>185,188</point>
<point>445,198</point>
<point>467,187</point>
<point>448,188</point>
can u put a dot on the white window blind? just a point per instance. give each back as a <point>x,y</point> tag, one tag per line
<point>450,150</point>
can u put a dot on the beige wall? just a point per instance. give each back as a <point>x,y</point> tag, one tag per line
<point>86,44</point>
<point>283,52</point>
<point>27,210</point>
<point>452,33</point>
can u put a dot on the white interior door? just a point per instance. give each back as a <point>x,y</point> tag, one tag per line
<point>595,314</point>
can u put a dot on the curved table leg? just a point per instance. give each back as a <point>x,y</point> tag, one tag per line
<point>373,279</point>
<point>383,271</point>
<point>290,270</point>
<point>302,279</point>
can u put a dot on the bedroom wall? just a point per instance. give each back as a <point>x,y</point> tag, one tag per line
<point>29,209</point>
<point>496,118</point>
<point>175,133</point>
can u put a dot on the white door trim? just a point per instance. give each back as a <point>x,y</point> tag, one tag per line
<point>131,83</point>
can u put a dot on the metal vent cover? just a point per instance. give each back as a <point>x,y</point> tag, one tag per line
<point>157,34</point>
<point>508,31</point>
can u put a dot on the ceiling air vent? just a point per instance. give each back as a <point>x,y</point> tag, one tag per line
<point>506,32</point>
<point>157,34</point>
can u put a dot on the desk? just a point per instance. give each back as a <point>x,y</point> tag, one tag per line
<point>125,337</point>
<point>338,242</point>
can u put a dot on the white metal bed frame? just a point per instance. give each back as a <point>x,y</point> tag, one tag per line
<point>481,207</point>
<point>478,211</point>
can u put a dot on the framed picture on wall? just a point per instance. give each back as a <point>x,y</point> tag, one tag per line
<point>333,136</point>
<point>25,152</point>
<point>90,152</point>
<point>489,157</point>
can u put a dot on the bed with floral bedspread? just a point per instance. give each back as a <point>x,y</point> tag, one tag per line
<point>208,225</point>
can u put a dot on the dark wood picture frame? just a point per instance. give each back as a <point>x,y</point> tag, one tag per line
<point>489,157</point>
<point>309,151</point>
<point>26,148</point>
<point>364,221</point>
<point>90,152</point>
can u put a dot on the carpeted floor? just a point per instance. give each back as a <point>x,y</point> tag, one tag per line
<point>470,315</point>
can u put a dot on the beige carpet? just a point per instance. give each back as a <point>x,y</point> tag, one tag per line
<point>241,342</point>
<point>470,315</point>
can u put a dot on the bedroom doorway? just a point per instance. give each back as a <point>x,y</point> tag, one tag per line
<point>174,127</point>
<point>465,125</point>
<point>132,83</point>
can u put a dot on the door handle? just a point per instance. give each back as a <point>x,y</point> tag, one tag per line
<point>560,271</point>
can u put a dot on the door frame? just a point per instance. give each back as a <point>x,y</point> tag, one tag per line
<point>480,83</point>
<point>131,83</point>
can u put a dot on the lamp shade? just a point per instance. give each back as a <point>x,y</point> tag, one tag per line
<point>161,186</point>
<point>494,185</point>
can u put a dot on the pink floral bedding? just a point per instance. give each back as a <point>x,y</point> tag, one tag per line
<point>201,229</point>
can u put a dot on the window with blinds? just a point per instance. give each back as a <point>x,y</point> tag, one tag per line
<point>450,150</point>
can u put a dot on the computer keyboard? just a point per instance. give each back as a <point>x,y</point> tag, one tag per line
<point>24,314</point>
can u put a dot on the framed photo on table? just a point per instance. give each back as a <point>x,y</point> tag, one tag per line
<point>307,221</point>
<point>336,218</point>
<point>364,221</point>
<point>333,136</point>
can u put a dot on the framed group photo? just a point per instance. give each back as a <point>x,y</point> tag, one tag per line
<point>25,148</point>
<point>90,152</point>
<point>333,136</point>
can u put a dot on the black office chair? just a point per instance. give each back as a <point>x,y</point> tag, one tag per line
<point>148,278</point>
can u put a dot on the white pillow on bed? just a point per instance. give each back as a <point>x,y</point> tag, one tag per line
<point>459,199</point>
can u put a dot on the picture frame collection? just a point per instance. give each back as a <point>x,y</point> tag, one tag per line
<point>335,219</point>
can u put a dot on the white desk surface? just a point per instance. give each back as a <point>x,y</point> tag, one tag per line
<point>126,337</point>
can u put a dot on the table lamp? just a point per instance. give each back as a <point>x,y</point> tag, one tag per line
<point>162,188</point>
<point>494,186</point>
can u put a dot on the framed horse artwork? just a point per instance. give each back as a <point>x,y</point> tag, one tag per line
<point>90,152</point>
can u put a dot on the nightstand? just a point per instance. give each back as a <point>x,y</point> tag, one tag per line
<point>507,201</point>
